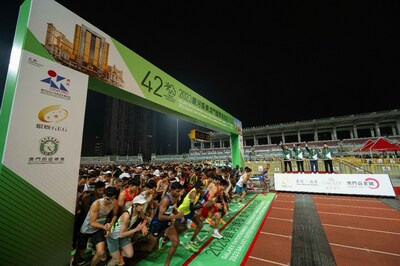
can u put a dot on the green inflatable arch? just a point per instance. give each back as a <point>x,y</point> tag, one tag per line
<point>56,57</point>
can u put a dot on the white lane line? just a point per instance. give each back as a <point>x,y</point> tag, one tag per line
<point>280,219</point>
<point>362,216</point>
<point>351,199</point>
<point>280,208</point>
<point>366,249</point>
<point>270,261</point>
<point>362,229</point>
<point>358,207</point>
<point>343,214</point>
<point>290,201</point>
<point>272,234</point>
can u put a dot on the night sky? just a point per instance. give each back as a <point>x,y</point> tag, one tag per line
<point>264,62</point>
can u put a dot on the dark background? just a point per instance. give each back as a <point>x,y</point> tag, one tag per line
<point>264,62</point>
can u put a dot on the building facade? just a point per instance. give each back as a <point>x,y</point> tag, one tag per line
<point>128,129</point>
<point>340,128</point>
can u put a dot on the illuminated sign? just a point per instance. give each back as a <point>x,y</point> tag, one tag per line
<point>199,136</point>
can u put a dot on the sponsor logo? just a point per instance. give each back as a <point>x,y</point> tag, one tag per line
<point>171,92</point>
<point>369,182</point>
<point>372,183</point>
<point>57,85</point>
<point>48,145</point>
<point>52,114</point>
<point>45,160</point>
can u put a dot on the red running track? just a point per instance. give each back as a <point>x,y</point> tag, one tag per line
<point>360,230</point>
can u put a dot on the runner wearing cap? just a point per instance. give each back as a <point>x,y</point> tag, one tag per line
<point>130,222</point>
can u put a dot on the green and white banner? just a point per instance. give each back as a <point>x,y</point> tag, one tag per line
<point>59,34</point>
<point>242,225</point>
<point>46,119</point>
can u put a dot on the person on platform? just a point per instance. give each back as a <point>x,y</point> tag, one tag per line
<point>327,156</point>
<point>313,155</point>
<point>287,157</point>
<point>299,156</point>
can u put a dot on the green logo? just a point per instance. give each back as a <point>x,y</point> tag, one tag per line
<point>49,145</point>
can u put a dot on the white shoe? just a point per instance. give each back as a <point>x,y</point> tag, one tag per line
<point>195,243</point>
<point>189,224</point>
<point>184,245</point>
<point>216,234</point>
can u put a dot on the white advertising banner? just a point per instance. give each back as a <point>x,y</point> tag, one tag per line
<point>45,133</point>
<point>352,184</point>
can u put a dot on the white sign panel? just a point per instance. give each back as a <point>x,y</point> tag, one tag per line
<point>45,134</point>
<point>352,184</point>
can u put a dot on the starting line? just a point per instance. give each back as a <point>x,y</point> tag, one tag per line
<point>242,225</point>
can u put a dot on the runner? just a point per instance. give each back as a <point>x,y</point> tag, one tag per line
<point>129,223</point>
<point>264,178</point>
<point>161,226</point>
<point>95,226</point>
<point>215,204</point>
<point>189,207</point>
<point>240,185</point>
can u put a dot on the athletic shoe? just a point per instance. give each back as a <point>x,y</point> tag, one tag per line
<point>193,225</point>
<point>192,247</point>
<point>216,234</point>
<point>222,221</point>
<point>189,224</point>
<point>161,243</point>
<point>184,245</point>
<point>79,262</point>
<point>210,221</point>
<point>194,243</point>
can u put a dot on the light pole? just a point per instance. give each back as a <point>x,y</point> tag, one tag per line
<point>177,136</point>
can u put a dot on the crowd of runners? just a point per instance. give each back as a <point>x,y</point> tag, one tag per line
<point>127,208</point>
